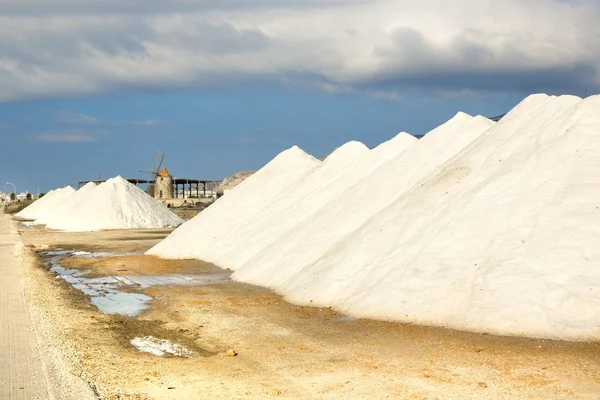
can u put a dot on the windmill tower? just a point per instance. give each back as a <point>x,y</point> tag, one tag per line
<point>162,186</point>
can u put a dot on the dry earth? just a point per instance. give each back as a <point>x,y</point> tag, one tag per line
<point>283,351</point>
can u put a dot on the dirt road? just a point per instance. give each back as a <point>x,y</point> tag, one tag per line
<point>283,351</point>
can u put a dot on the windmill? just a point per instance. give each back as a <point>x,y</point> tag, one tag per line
<point>154,173</point>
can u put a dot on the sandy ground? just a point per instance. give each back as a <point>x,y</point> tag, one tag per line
<point>283,351</point>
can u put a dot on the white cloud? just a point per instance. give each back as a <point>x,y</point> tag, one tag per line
<point>150,122</point>
<point>76,119</point>
<point>378,47</point>
<point>70,136</point>
<point>389,96</point>
<point>64,137</point>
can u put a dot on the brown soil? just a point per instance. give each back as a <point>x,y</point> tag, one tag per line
<point>283,350</point>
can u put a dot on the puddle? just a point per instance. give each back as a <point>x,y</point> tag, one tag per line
<point>127,304</point>
<point>87,254</point>
<point>116,294</point>
<point>159,347</point>
<point>26,225</point>
<point>57,252</point>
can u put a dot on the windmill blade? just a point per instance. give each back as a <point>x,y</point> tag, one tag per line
<point>161,163</point>
<point>152,174</point>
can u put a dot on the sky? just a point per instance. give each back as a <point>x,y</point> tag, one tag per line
<point>100,86</point>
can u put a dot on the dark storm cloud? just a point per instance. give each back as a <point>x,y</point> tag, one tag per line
<point>465,64</point>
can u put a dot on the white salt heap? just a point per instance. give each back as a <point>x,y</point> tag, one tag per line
<point>502,239</point>
<point>346,212</point>
<point>62,209</point>
<point>46,204</point>
<point>478,226</point>
<point>344,167</point>
<point>239,207</point>
<point>114,204</point>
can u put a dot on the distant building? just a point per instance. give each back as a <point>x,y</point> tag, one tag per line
<point>22,196</point>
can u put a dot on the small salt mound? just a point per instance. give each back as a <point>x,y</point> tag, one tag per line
<point>46,204</point>
<point>114,204</point>
<point>344,167</point>
<point>240,205</point>
<point>159,347</point>
<point>502,239</point>
<point>65,207</point>
<point>346,212</point>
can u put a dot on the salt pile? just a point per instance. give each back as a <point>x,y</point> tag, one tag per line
<point>46,204</point>
<point>285,207</point>
<point>67,204</point>
<point>345,166</point>
<point>502,239</point>
<point>346,212</point>
<point>478,226</point>
<point>197,237</point>
<point>114,204</point>
<point>243,238</point>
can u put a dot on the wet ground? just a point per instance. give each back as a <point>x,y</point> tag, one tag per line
<point>192,333</point>
<point>120,293</point>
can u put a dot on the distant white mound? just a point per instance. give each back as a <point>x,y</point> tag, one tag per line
<point>114,204</point>
<point>46,204</point>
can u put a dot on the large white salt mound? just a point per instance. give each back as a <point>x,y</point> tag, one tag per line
<point>65,207</point>
<point>343,168</point>
<point>46,204</point>
<point>344,213</point>
<point>231,212</point>
<point>300,198</point>
<point>115,204</point>
<point>502,239</point>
